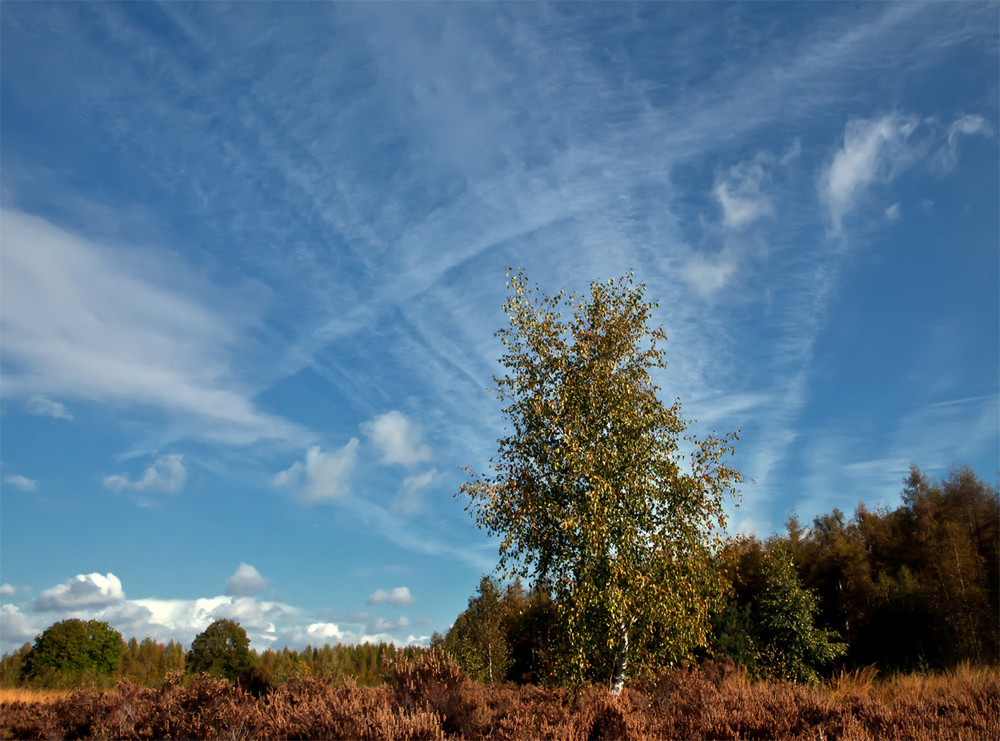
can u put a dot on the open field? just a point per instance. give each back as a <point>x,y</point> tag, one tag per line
<point>432,699</point>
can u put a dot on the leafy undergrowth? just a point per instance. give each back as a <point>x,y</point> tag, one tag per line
<point>431,699</point>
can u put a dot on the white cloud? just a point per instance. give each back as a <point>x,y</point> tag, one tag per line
<point>17,628</point>
<point>398,596</point>
<point>6,590</point>
<point>82,591</point>
<point>398,438</point>
<point>22,482</point>
<point>42,407</point>
<point>246,581</point>
<point>408,499</point>
<point>86,321</point>
<point>166,474</point>
<point>381,625</point>
<point>873,151</point>
<point>321,475</point>
<point>707,276</point>
<point>740,196</point>
<point>969,125</point>
<point>892,213</point>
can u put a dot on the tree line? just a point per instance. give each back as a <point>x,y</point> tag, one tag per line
<point>75,653</point>
<point>913,588</point>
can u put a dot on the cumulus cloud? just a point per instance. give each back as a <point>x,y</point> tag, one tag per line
<point>166,474</point>
<point>16,628</point>
<point>82,591</point>
<point>42,407</point>
<point>267,623</point>
<point>321,475</point>
<point>381,625</point>
<point>740,194</point>
<point>6,590</point>
<point>873,151</point>
<point>246,581</point>
<point>398,596</point>
<point>21,482</point>
<point>397,438</point>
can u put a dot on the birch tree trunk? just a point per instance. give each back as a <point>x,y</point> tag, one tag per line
<point>618,683</point>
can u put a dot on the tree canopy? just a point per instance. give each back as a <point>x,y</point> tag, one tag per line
<point>223,649</point>
<point>74,651</point>
<point>591,491</point>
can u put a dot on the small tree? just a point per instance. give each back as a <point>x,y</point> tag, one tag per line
<point>590,490</point>
<point>789,645</point>
<point>222,649</point>
<point>478,640</point>
<point>73,652</point>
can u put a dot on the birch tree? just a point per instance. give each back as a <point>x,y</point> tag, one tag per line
<point>597,487</point>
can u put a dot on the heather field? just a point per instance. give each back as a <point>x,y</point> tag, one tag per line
<point>431,699</point>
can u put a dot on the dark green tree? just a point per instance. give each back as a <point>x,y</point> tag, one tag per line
<point>72,652</point>
<point>222,649</point>
<point>789,644</point>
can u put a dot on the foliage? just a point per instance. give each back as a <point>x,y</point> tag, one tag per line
<point>790,646</point>
<point>222,649</point>
<point>74,652</point>
<point>915,587</point>
<point>590,492</point>
<point>504,634</point>
<point>478,639</point>
<point>147,663</point>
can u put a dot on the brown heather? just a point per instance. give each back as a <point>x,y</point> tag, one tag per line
<point>430,699</point>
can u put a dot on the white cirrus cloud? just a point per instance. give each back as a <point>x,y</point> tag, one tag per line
<point>93,321</point>
<point>969,125</point>
<point>166,474</point>
<point>408,499</point>
<point>21,482</point>
<point>873,151</point>
<point>740,194</point>
<point>398,596</point>
<point>246,581</point>
<point>42,407</point>
<point>82,591</point>
<point>321,476</point>
<point>707,275</point>
<point>398,438</point>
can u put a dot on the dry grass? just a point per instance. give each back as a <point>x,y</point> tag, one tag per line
<point>857,683</point>
<point>44,697</point>
<point>430,699</point>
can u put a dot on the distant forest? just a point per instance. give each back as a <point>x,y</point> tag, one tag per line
<point>914,588</point>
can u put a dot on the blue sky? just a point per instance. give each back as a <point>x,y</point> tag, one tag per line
<point>253,258</point>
